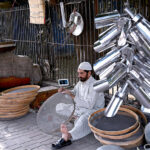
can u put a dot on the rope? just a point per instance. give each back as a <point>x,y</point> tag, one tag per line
<point>52,43</point>
<point>13,10</point>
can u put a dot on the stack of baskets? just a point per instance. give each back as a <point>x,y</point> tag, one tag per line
<point>125,129</point>
<point>15,102</point>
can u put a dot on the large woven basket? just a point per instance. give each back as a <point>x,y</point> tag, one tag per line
<point>116,132</point>
<point>15,102</point>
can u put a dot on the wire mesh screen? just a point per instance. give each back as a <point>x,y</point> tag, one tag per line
<point>50,45</point>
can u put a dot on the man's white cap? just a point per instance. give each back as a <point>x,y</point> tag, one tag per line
<point>85,66</point>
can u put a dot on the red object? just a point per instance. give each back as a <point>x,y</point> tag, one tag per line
<point>9,82</point>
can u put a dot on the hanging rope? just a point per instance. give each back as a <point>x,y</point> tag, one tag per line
<point>51,43</point>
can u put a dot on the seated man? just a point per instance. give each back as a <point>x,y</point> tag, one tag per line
<point>87,101</point>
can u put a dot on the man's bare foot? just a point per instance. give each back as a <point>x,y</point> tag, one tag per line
<point>65,134</point>
<point>63,129</point>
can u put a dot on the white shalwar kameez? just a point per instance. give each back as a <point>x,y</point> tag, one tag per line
<point>87,101</point>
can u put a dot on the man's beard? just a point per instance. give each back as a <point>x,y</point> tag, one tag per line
<point>83,79</point>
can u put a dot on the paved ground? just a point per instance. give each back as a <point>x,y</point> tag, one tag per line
<point>24,134</point>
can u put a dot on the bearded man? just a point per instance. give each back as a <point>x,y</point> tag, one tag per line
<point>86,101</point>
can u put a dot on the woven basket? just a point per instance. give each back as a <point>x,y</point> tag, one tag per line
<point>12,115</point>
<point>18,101</point>
<point>128,138</point>
<point>15,102</point>
<point>27,89</point>
<point>119,137</point>
<point>125,144</point>
<point>142,117</point>
<point>96,130</point>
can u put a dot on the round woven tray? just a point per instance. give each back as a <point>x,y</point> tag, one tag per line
<point>143,121</point>
<point>106,125</point>
<point>133,141</point>
<point>142,117</point>
<point>119,137</point>
<point>26,89</point>
<point>18,96</point>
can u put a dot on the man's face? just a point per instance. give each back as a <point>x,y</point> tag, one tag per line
<point>83,76</point>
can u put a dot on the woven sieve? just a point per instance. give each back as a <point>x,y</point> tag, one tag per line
<point>133,141</point>
<point>123,122</point>
<point>48,119</point>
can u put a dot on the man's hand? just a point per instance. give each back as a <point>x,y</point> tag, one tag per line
<point>69,93</point>
<point>61,89</point>
<point>65,91</point>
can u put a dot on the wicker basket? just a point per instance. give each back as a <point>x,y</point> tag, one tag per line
<point>15,102</point>
<point>119,132</point>
<point>128,137</point>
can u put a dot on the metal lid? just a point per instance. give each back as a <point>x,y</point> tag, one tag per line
<point>76,23</point>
